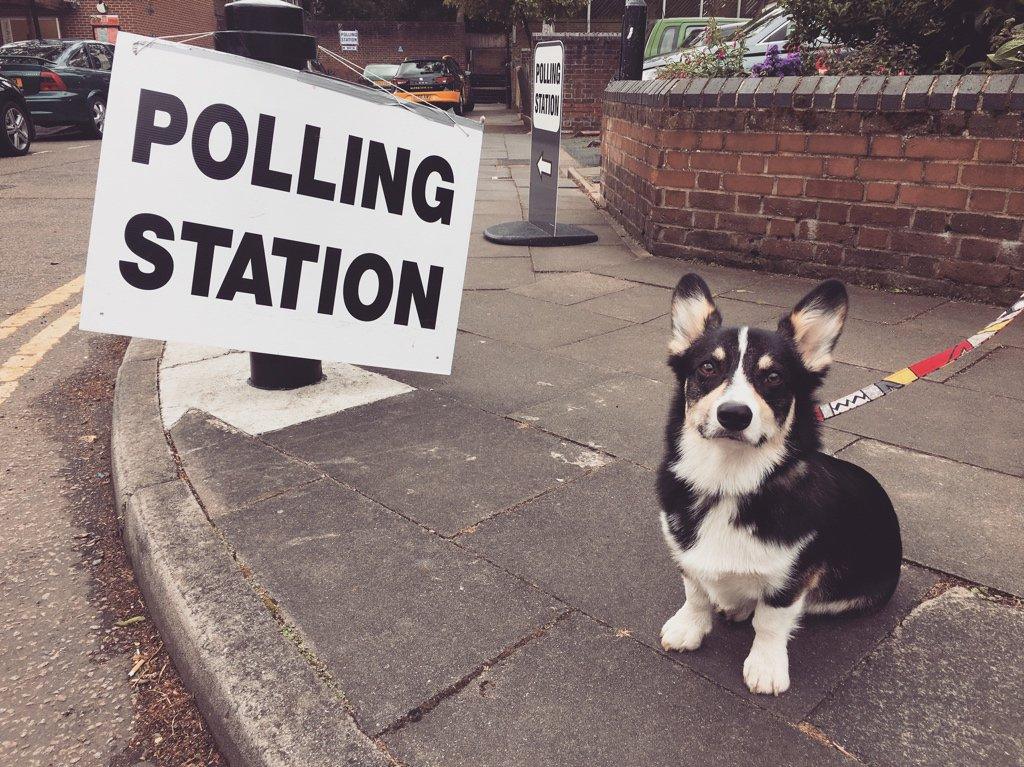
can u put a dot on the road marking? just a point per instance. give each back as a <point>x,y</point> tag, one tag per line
<point>40,306</point>
<point>80,146</point>
<point>33,350</point>
<point>45,151</point>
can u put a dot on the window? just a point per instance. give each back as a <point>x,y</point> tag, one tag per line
<point>79,58</point>
<point>101,54</point>
<point>669,38</point>
<point>417,68</point>
<point>780,35</point>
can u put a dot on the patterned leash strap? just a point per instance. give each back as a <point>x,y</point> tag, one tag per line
<point>908,375</point>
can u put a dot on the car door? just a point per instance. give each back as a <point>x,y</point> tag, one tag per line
<point>77,70</point>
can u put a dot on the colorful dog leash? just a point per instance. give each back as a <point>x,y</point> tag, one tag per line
<point>920,369</point>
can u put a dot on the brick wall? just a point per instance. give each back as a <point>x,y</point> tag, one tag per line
<point>914,183</point>
<point>591,61</point>
<point>156,18</point>
<point>389,42</point>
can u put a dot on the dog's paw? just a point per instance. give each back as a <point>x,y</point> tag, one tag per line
<point>766,670</point>
<point>737,613</point>
<point>685,631</point>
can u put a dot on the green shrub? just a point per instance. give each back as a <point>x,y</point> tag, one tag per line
<point>716,59</point>
<point>948,35</point>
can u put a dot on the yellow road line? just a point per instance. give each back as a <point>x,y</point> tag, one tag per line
<point>33,350</point>
<point>40,306</point>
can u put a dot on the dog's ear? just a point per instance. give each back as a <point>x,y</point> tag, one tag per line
<point>816,322</point>
<point>693,313</point>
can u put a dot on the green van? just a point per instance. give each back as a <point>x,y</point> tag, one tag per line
<point>669,35</point>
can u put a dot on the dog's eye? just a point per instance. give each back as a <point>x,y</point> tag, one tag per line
<point>772,379</point>
<point>707,369</point>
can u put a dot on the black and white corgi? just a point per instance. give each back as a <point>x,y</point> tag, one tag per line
<point>759,521</point>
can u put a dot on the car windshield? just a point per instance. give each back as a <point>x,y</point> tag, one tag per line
<point>760,24</point>
<point>381,70</point>
<point>49,50</point>
<point>414,68</point>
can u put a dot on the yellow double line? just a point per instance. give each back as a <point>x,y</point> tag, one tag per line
<point>33,350</point>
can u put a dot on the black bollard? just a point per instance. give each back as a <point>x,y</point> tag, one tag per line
<point>271,31</point>
<point>634,34</point>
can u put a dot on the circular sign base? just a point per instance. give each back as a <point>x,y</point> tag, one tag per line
<point>525,233</point>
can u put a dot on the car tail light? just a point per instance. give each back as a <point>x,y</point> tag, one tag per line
<point>443,81</point>
<point>51,81</point>
<point>399,82</point>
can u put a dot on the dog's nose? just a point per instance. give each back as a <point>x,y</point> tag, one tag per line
<point>734,416</point>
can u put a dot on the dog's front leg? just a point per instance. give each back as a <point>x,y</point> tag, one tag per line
<point>766,669</point>
<point>687,628</point>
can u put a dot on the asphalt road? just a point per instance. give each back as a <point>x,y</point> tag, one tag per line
<point>66,697</point>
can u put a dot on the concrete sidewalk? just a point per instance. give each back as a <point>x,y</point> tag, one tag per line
<point>473,565</point>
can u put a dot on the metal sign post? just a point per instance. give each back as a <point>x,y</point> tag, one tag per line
<point>542,228</point>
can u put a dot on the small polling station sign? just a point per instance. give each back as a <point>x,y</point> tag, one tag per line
<point>543,228</point>
<point>348,39</point>
<point>249,206</point>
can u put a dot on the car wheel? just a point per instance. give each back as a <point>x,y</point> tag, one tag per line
<point>470,106</point>
<point>98,115</point>
<point>15,129</point>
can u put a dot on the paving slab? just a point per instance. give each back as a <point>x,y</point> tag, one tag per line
<point>971,427</point>
<point>666,272</point>
<point>530,322</point>
<point>639,303</point>
<point>573,288</point>
<point>437,461</point>
<point>579,258</point>
<point>965,319</point>
<point>945,690</point>
<point>502,377</point>
<point>581,696</point>
<point>394,613</point>
<point>228,469</point>
<point>1001,371</point>
<point>498,273</point>
<point>866,304</point>
<point>597,544</point>
<point>480,247</point>
<point>955,518</point>
<point>182,354</point>
<point>624,415</point>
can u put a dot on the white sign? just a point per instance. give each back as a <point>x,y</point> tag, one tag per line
<point>548,66</point>
<point>253,207</point>
<point>349,39</point>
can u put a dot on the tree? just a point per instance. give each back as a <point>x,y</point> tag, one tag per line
<point>948,34</point>
<point>513,12</point>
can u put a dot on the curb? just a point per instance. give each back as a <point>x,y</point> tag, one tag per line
<point>264,704</point>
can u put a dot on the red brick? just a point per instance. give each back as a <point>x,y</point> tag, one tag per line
<point>674,199</point>
<point>933,197</point>
<point>931,221</point>
<point>886,146</point>
<point>921,266</point>
<point>752,163</point>
<point>674,179</point>
<point>996,150</point>
<point>792,142</point>
<point>742,223</point>
<point>709,181</point>
<point>986,225</point>
<point>1015,204</point>
<point>748,203</point>
<point>795,166</point>
<point>712,201</point>
<point>974,274</point>
<point>998,176</point>
<point>987,200</point>
<point>751,142</point>
<point>781,227</point>
<point>890,170</point>
<point>711,140</point>
<point>824,143</point>
<point>870,237</point>
<point>794,208</point>
<point>835,190</point>
<point>789,186</point>
<point>835,212</point>
<point>940,147</point>
<point>941,172</point>
<point>841,167</point>
<point>748,184</point>
<point>714,161</point>
<point>880,215</point>
<point>978,250</point>
<point>880,192</point>
<point>922,242</point>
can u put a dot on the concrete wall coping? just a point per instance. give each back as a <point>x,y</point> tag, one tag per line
<point>919,93</point>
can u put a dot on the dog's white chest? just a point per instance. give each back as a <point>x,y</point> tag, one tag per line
<point>732,555</point>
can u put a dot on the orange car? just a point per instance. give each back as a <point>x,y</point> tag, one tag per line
<point>438,81</point>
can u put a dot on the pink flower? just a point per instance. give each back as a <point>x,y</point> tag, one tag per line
<point>720,54</point>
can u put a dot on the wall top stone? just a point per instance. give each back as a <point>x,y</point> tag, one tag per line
<point>993,93</point>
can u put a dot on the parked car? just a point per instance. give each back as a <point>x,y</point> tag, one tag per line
<point>438,81</point>
<point>65,81</point>
<point>771,28</point>
<point>16,128</point>
<point>669,35</point>
<point>380,75</point>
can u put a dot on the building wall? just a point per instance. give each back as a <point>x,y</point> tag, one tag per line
<point>157,18</point>
<point>386,42</point>
<point>914,183</point>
